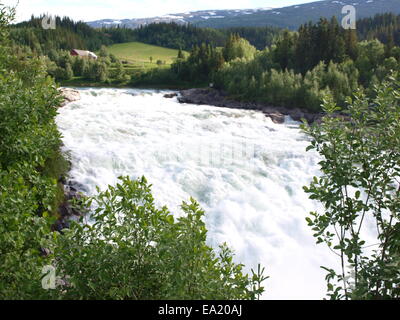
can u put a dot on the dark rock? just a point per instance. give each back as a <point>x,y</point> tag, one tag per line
<point>72,189</point>
<point>62,180</point>
<point>202,96</point>
<point>66,224</point>
<point>65,210</point>
<point>276,117</point>
<point>72,195</point>
<point>218,98</point>
<point>44,252</point>
<point>60,225</point>
<point>75,186</point>
<point>297,114</point>
<point>170,95</point>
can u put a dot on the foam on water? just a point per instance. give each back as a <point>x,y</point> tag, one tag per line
<point>246,172</point>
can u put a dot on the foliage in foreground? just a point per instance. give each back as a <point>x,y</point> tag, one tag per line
<point>133,250</point>
<point>360,191</point>
<point>28,141</point>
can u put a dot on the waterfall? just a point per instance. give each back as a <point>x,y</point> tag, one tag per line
<point>245,171</point>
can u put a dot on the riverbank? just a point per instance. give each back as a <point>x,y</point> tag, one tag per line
<point>84,83</point>
<point>213,97</point>
<point>58,167</point>
<point>209,96</point>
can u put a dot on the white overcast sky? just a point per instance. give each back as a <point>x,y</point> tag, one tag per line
<point>89,10</point>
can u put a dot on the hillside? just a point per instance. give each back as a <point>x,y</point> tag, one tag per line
<point>68,34</point>
<point>289,17</point>
<point>140,53</point>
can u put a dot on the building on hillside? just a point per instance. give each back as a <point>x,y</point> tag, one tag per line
<point>83,54</point>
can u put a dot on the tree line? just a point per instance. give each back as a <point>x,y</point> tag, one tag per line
<point>67,35</point>
<point>298,70</point>
<point>107,68</point>
<point>70,34</point>
<point>384,27</point>
<point>185,37</point>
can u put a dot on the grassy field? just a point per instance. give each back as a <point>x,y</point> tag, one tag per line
<point>138,54</point>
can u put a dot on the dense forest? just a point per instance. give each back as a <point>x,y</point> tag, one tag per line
<point>185,37</point>
<point>384,27</point>
<point>70,34</point>
<point>298,70</point>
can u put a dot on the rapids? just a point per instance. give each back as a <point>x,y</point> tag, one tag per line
<point>245,171</point>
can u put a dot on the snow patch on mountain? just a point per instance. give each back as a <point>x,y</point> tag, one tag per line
<point>287,17</point>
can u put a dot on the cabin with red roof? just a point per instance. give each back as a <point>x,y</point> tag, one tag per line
<point>83,54</point>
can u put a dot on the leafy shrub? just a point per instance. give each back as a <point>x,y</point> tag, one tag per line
<point>359,186</point>
<point>134,250</point>
<point>28,138</point>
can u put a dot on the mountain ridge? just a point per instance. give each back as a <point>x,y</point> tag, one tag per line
<point>290,17</point>
<point>193,17</point>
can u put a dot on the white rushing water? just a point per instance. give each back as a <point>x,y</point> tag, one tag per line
<point>246,172</point>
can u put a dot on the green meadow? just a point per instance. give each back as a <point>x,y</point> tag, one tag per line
<point>143,55</point>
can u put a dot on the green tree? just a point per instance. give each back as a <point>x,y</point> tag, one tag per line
<point>103,53</point>
<point>28,141</point>
<point>370,55</point>
<point>119,73</point>
<point>360,186</point>
<point>284,50</point>
<point>69,73</point>
<point>237,47</point>
<point>134,250</point>
<point>202,64</point>
<point>79,66</point>
<point>180,54</point>
<point>350,37</point>
<point>96,71</point>
<point>114,58</point>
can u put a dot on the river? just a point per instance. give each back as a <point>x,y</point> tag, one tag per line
<point>245,171</point>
